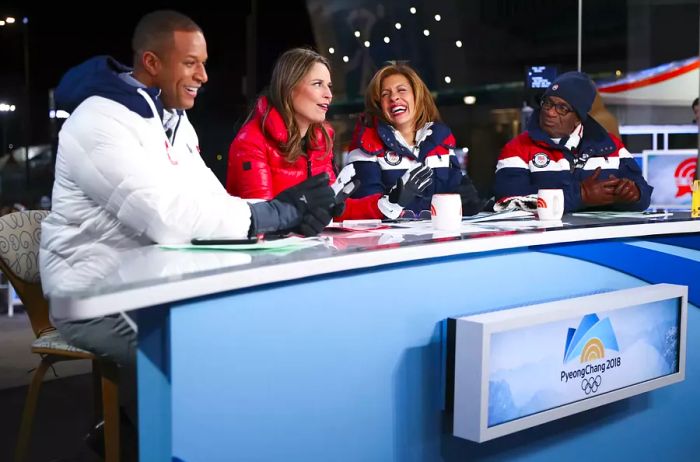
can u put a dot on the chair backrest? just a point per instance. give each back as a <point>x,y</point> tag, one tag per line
<point>20,234</point>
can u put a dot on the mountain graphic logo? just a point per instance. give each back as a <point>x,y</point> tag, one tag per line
<point>590,340</point>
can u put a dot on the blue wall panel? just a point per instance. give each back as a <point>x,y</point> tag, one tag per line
<point>349,368</point>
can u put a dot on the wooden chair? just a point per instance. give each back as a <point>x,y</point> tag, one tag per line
<point>19,260</point>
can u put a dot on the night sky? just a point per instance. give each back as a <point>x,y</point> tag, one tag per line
<point>59,39</point>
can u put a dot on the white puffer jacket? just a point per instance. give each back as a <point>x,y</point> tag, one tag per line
<point>121,184</point>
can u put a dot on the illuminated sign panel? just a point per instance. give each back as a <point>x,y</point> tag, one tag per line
<point>525,366</point>
<point>671,173</point>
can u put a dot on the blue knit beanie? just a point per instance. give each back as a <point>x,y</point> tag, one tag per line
<point>577,89</point>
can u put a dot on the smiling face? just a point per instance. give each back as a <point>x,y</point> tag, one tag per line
<point>398,102</point>
<point>180,72</point>
<point>554,124</point>
<point>312,96</point>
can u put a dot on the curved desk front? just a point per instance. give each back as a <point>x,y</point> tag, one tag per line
<point>336,351</point>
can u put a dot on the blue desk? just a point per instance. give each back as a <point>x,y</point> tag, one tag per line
<point>336,352</point>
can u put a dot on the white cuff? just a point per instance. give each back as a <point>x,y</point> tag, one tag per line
<point>389,209</point>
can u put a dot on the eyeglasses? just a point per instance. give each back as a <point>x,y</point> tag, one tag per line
<point>562,109</point>
<point>408,214</point>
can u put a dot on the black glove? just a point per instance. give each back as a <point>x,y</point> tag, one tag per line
<point>596,192</point>
<point>342,196</point>
<point>471,202</point>
<point>411,185</point>
<point>309,194</point>
<point>314,221</point>
<point>289,210</point>
<point>313,199</point>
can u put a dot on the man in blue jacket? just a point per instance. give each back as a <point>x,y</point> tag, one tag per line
<point>564,148</point>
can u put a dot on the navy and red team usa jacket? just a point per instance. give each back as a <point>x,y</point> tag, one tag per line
<point>380,160</point>
<point>532,161</point>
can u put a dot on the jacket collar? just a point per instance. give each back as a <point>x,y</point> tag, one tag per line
<point>276,129</point>
<point>596,140</point>
<point>428,138</point>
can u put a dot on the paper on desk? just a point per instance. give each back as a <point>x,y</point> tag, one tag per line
<point>506,215</point>
<point>357,225</point>
<point>608,214</point>
<point>286,243</point>
<point>422,227</point>
<point>522,224</point>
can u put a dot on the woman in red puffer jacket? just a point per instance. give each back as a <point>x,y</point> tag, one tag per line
<point>286,138</point>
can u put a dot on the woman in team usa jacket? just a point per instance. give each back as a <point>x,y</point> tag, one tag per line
<point>402,152</point>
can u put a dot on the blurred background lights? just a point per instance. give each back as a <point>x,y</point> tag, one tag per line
<point>438,17</point>
<point>448,79</point>
<point>398,26</point>
<point>458,43</point>
<point>357,33</point>
<point>469,99</point>
<point>345,59</point>
<point>331,50</point>
<point>366,43</point>
<point>387,39</point>
<point>412,10</point>
<point>426,32</point>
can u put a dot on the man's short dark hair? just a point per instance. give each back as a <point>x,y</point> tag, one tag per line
<point>154,30</point>
<point>696,101</point>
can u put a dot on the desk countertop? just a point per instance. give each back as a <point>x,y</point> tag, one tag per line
<point>152,275</point>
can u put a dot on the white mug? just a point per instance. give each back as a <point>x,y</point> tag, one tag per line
<point>446,212</point>
<point>550,204</point>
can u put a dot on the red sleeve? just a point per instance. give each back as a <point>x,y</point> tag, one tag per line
<point>248,175</point>
<point>362,209</point>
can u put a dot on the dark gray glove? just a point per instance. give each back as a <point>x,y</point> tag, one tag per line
<point>471,202</point>
<point>411,185</point>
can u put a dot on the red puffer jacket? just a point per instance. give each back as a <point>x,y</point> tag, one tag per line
<point>257,168</point>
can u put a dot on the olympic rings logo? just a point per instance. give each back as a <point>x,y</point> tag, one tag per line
<point>591,385</point>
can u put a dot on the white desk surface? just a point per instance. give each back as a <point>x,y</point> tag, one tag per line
<point>152,276</point>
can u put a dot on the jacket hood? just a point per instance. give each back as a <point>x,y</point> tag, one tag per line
<point>99,76</point>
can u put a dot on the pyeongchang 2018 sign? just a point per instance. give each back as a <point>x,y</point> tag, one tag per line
<point>545,366</point>
<point>585,353</point>
<point>671,174</point>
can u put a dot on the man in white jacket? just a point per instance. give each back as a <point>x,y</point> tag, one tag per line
<point>129,173</point>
